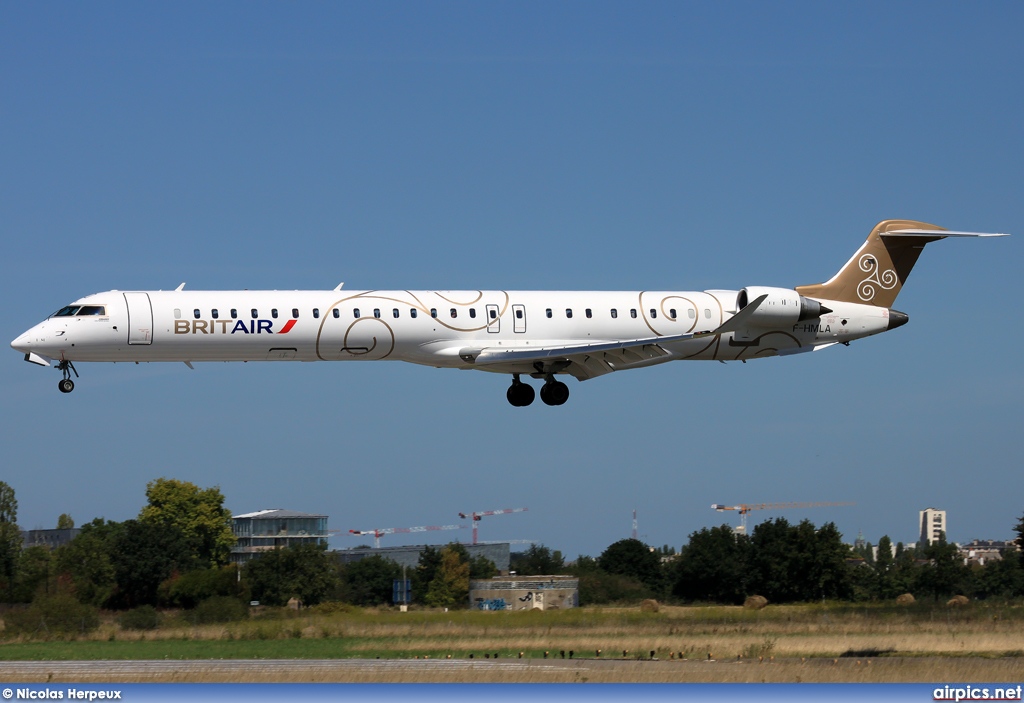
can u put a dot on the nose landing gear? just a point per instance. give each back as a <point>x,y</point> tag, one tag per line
<point>66,385</point>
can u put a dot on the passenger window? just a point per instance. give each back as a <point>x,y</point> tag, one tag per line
<point>632,312</point>
<point>691,314</point>
<point>412,312</point>
<point>589,313</point>
<point>234,313</point>
<point>395,312</point>
<point>433,312</point>
<point>255,313</point>
<point>336,312</point>
<point>615,313</point>
<point>472,313</point>
<point>355,313</point>
<point>214,314</point>
<point>654,313</point>
<point>672,313</point>
<point>195,313</point>
<point>316,313</point>
<point>519,314</point>
<point>548,312</point>
<point>568,312</point>
<point>454,313</point>
<point>376,313</point>
<point>273,313</point>
<point>707,313</point>
<point>295,313</point>
<point>494,314</point>
<point>177,313</point>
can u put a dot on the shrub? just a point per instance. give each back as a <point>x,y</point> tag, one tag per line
<point>144,617</point>
<point>55,615</point>
<point>218,609</point>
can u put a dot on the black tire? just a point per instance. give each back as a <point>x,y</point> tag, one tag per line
<point>559,393</point>
<point>66,385</point>
<point>520,395</point>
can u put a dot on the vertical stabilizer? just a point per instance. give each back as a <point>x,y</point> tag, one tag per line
<point>877,272</point>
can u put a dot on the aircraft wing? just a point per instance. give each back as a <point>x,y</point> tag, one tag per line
<point>586,361</point>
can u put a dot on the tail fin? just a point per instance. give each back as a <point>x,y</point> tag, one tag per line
<point>877,272</point>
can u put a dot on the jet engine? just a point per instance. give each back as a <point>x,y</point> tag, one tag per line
<point>781,307</point>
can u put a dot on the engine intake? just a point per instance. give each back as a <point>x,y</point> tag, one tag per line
<point>782,306</point>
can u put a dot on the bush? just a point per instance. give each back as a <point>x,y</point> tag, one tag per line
<point>144,617</point>
<point>218,609</point>
<point>191,588</point>
<point>50,616</point>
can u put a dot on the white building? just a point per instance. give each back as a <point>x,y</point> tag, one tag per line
<point>932,524</point>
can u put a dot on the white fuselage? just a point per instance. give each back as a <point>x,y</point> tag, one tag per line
<point>422,327</point>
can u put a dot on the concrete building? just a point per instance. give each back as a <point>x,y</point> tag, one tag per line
<point>497,552</point>
<point>524,593</point>
<point>982,551</point>
<point>264,530</point>
<point>932,523</point>
<point>51,539</point>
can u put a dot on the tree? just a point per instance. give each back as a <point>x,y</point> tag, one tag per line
<point>945,574</point>
<point>144,555</point>
<point>33,574</point>
<point>537,560</point>
<point>370,581</point>
<point>712,566</point>
<point>65,522</point>
<point>633,558</point>
<point>450,585</point>
<point>303,571</point>
<point>199,514</point>
<point>10,540</point>
<point>85,562</point>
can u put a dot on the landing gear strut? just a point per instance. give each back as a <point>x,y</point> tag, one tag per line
<point>519,394</point>
<point>66,385</point>
<point>554,392</point>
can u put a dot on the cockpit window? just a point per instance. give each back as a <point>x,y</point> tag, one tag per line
<point>67,311</point>
<point>92,310</point>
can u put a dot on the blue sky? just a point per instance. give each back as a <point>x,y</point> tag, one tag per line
<point>585,145</point>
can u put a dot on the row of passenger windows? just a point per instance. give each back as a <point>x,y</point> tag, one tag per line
<point>395,312</point>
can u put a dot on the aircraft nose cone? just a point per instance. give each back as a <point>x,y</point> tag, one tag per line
<point>897,319</point>
<point>21,343</point>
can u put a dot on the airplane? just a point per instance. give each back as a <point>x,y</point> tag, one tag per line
<point>537,334</point>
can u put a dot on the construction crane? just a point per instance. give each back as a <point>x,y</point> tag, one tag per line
<point>378,533</point>
<point>744,509</point>
<point>475,517</point>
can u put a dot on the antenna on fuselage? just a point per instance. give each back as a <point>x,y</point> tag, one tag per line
<point>338,287</point>
<point>180,286</point>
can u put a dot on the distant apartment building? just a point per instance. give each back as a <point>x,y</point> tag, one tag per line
<point>933,524</point>
<point>982,551</point>
<point>51,539</point>
<point>265,530</point>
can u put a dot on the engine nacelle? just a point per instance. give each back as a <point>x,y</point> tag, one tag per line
<point>782,306</point>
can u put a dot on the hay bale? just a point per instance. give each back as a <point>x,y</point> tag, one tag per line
<point>905,599</point>
<point>755,602</point>
<point>958,601</point>
<point>649,605</point>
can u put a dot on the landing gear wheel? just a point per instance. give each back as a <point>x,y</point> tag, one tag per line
<point>66,385</point>
<point>554,393</point>
<point>520,394</point>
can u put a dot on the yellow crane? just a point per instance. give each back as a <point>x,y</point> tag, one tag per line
<point>745,508</point>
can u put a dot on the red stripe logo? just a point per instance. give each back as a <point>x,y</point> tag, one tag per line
<point>287,326</point>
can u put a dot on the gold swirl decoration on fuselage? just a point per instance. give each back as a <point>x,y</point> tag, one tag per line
<point>413,301</point>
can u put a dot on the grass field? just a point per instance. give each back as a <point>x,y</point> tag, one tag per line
<point>826,642</point>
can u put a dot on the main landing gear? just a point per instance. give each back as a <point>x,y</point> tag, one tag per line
<point>551,393</point>
<point>66,385</point>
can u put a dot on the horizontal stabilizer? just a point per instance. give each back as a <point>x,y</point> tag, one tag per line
<point>938,233</point>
